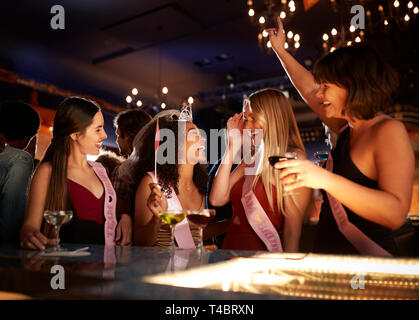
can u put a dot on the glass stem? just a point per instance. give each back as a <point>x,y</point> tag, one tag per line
<point>57,237</point>
<point>172,237</point>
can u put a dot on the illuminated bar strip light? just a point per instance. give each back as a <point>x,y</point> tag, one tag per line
<point>241,269</point>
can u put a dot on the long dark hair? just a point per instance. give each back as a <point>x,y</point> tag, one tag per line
<point>74,114</point>
<point>167,173</point>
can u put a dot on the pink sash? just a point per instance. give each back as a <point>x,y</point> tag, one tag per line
<point>258,219</point>
<point>182,231</point>
<point>356,237</point>
<point>110,203</point>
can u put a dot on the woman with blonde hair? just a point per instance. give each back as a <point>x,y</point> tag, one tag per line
<point>264,218</point>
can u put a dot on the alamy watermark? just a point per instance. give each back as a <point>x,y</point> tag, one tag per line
<point>358,20</point>
<point>58,20</point>
<point>58,280</point>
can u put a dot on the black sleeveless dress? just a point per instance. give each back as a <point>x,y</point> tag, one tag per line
<point>329,239</point>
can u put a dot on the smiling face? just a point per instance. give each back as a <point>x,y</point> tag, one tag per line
<point>333,99</point>
<point>90,141</point>
<point>195,144</point>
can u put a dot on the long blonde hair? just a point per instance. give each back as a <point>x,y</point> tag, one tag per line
<point>273,111</point>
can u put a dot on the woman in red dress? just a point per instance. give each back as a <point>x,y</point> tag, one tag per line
<point>267,115</point>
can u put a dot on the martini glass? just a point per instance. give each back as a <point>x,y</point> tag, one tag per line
<point>321,157</point>
<point>57,218</point>
<point>171,218</point>
<point>201,218</point>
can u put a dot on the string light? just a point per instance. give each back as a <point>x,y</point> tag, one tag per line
<point>128,99</point>
<point>358,39</point>
<point>416,10</point>
<point>396,4</point>
<point>268,44</point>
<point>290,34</point>
<point>251,12</point>
<point>410,5</point>
<point>325,37</point>
<point>264,33</point>
<point>334,32</point>
<point>262,20</point>
<point>164,90</point>
<point>190,100</point>
<point>282,15</point>
<point>163,105</point>
<point>297,37</point>
<point>297,45</point>
<point>406,18</point>
<point>352,28</point>
<point>134,91</point>
<point>139,103</point>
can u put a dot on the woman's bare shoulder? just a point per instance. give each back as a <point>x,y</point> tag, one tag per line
<point>44,169</point>
<point>300,153</point>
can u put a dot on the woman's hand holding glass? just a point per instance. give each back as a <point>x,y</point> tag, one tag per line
<point>302,173</point>
<point>36,241</point>
<point>157,201</point>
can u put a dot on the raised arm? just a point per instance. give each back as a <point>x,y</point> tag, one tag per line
<point>300,77</point>
<point>225,179</point>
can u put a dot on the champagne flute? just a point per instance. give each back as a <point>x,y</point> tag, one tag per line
<point>57,218</point>
<point>171,218</point>
<point>201,218</point>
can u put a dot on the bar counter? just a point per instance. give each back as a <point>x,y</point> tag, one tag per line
<point>162,274</point>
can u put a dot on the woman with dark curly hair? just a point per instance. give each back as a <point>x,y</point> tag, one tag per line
<point>181,177</point>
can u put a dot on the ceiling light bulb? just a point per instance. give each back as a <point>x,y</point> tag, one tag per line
<point>251,12</point>
<point>165,90</point>
<point>128,99</point>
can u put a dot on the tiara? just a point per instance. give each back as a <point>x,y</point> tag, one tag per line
<point>186,113</point>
